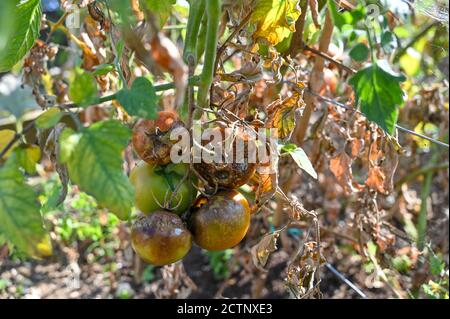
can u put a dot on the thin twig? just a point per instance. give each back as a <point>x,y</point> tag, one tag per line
<point>328,58</point>
<point>223,47</point>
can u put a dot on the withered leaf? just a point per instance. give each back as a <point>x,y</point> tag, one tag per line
<point>283,114</point>
<point>166,55</point>
<point>262,250</point>
<point>389,165</point>
<point>275,19</point>
<point>341,167</point>
<point>375,180</point>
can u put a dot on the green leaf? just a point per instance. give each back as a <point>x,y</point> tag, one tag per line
<point>360,52</point>
<point>6,21</point>
<point>28,156</point>
<point>140,100</point>
<point>378,91</point>
<point>160,8</point>
<point>49,118</point>
<point>103,69</point>
<point>388,42</point>
<point>20,218</point>
<point>300,158</point>
<point>27,21</point>
<point>69,141</point>
<point>347,17</point>
<point>94,162</point>
<point>83,88</point>
<point>437,265</point>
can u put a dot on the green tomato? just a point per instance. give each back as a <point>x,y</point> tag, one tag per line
<point>155,185</point>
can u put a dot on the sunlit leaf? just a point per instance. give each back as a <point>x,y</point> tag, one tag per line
<point>94,162</point>
<point>410,62</point>
<point>20,218</point>
<point>6,19</point>
<point>140,100</point>
<point>6,137</point>
<point>26,27</point>
<point>283,114</point>
<point>49,118</point>
<point>262,250</point>
<point>300,158</point>
<point>378,91</point>
<point>28,156</point>
<point>275,19</point>
<point>83,88</point>
<point>103,69</point>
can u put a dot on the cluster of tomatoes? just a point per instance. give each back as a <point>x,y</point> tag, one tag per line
<point>172,216</point>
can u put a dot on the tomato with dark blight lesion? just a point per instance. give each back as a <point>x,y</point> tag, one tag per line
<point>160,238</point>
<point>235,168</point>
<point>152,138</point>
<point>221,221</point>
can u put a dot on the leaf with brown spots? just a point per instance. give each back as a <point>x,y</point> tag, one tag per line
<point>283,114</point>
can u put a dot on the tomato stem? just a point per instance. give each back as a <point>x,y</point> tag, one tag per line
<point>196,12</point>
<point>213,9</point>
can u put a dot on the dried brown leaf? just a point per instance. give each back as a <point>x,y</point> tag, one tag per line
<point>166,55</point>
<point>283,114</point>
<point>341,167</point>
<point>262,250</point>
<point>375,180</point>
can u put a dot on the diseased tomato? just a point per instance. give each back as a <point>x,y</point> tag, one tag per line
<point>221,221</point>
<point>235,168</point>
<point>155,185</point>
<point>151,138</point>
<point>160,238</point>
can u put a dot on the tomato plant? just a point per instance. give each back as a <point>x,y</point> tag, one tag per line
<point>122,101</point>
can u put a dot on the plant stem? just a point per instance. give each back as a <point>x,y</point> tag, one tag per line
<point>201,41</point>
<point>196,12</point>
<point>213,10</point>
<point>424,196</point>
<point>424,170</point>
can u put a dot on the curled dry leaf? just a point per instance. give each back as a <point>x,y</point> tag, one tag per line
<point>341,167</point>
<point>282,114</point>
<point>375,179</point>
<point>166,55</point>
<point>300,272</point>
<point>355,147</point>
<point>389,165</point>
<point>52,150</point>
<point>262,250</point>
